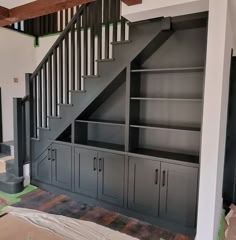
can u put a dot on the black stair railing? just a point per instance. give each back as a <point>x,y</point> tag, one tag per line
<point>86,39</point>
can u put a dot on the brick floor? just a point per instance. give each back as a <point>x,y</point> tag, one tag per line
<point>63,205</point>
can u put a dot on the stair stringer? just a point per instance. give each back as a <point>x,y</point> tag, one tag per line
<point>141,35</point>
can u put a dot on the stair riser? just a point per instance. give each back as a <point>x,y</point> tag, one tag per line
<point>141,35</point>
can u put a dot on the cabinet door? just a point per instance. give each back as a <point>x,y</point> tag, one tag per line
<point>42,167</point>
<point>111,171</point>
<point>143,189</point>
<point>61,166</point>
<point>179,193</point>
<point>86,172</point>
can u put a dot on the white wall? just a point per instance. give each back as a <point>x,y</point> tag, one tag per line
<point>153,9</point>
<point>220,42</point>
<point>45,43</point>
<point>16,58</point>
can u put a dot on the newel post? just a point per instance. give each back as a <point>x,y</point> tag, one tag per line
<point>28,116</point>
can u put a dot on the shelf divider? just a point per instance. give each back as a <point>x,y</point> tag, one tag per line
<point>103,122</point>
<point>169,70</point>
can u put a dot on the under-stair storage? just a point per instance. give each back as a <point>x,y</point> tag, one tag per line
<point>168,190</point>
<point>130,138</point>
<point>94,175</point>
<point>54,166</point>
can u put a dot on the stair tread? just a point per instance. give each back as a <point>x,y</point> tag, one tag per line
<point>121,42</point>
<point>5,158</point>
<point>90,76</point>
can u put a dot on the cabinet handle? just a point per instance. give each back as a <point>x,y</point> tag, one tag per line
<point>53,155</point>
<point>95,164</point>
<point>100,165</point>
<point>49,154</point>
<point>156,176</point>
<point>163,178</point>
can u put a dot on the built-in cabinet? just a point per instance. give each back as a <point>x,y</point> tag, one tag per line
<point>137,145</point>
<point>163,189</point>
<point>94,175</point>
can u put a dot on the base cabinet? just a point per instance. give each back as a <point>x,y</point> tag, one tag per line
<point>86,172</point>
<point>95,175</point>
<point>162,189</point>
<point>143,186</point>
<point>54,166</point>
<point>155,188</point>
<point>178,194</point>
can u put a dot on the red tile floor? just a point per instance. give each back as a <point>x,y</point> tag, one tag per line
<point>63,205</point>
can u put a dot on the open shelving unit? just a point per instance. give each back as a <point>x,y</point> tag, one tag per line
<point>166,112</point>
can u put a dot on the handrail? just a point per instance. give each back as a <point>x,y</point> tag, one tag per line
<point>59,39</point>
<point>86,39</point>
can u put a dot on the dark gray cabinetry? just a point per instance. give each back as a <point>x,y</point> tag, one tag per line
<point>111,178</point>
<point>143,194</point>
<point>163,189</point>
<point>86,172</point>
<point>42,169</point>
<point>54,166</point>
<point>95,175</point>
<point>178,193</point>
<point>61,158</point>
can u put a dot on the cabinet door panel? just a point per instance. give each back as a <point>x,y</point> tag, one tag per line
<point>62,166</point>
<point>86,172</point>
<point>42,169</point>
<point>111,178</point>
<point>143,189</point>
<point>179,193</point>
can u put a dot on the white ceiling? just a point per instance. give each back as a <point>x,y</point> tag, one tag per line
<point>13,3</point>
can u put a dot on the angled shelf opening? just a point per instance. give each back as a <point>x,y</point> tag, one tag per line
<point>66,136</point>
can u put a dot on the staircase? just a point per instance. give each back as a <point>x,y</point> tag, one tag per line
<point>9,183</point>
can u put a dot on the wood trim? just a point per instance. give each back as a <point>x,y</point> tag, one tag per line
<point>36,9</point>
<point>4,12</point>
<point>132,2</point>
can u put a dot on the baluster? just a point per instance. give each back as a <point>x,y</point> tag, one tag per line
<point>73,57</point>
<point>66,69</point>
<point>92,36</point>
<point>55,81</point>
<point>40,97</point>
<point>61,73</point>
<point>85,41</point>
<point>66,16</point>
<point>50,86</point>
<point>99,28</point>
<point>45,94</point>
<point>35,107</point>
<point>78,54</point>
<point>123,23</point>
<point>106,21</point>
<point>61,21</point>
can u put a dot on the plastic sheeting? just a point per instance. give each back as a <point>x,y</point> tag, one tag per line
<point>67,228</point>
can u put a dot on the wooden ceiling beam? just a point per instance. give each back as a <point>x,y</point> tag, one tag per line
<point>132,2</point>
<point>38,8</point>
<point>4,12</point>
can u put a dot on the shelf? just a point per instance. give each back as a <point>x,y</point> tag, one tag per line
<point>169,155</point>
<point>168,127</point>
<point>169,70</point>
<point>111,146</point>
<point>103,122</point>
<point>166,99</point>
